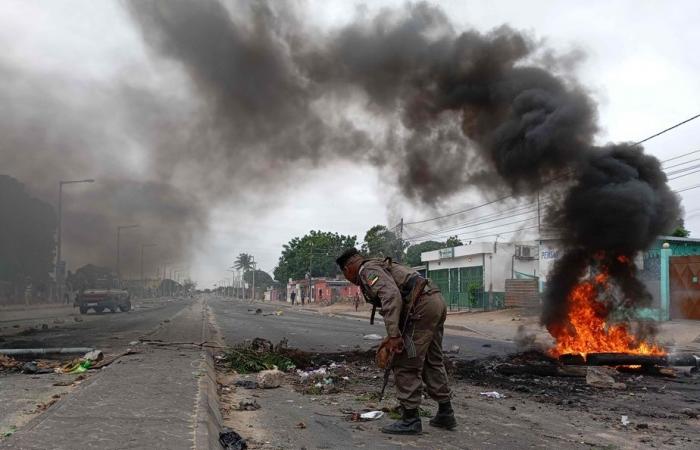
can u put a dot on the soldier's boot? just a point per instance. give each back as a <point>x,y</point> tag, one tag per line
<point>445,417</point>
<point>408,424</point>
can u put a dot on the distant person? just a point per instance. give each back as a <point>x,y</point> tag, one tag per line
<point>357,301</point>
<point>293,296</point>
<point>302,299</point>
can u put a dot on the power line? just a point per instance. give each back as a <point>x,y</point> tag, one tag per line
<point>553,179</point>
<point>687,188</point>
<point>668,129</point>
<point>477,222</point>
<point>684,169</point>
<point>490,228</point>
<point>523,209</point>
<point>500,233</point>
<point>683,175</point>
<point>679,157</point>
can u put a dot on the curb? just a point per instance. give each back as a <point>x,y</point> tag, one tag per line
<point>208,421</point>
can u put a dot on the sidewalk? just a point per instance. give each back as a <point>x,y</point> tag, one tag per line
<point>160,398</point>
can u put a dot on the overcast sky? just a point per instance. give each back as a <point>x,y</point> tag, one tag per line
<point>642,66</point>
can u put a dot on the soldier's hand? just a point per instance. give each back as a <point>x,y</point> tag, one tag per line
<point>395,344</point>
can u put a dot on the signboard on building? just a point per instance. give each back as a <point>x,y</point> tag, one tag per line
<point>446,253</point>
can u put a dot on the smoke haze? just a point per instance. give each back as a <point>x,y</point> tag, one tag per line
<point>435,109</point>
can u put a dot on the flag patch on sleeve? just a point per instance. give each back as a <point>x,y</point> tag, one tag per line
<point>372,278</point>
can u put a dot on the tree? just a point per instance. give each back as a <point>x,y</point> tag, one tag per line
<point>189,285</point>
<point>244,262</point>
<point>314,253</point>
<point>453,241</point>
<point>680,230</point>
<point>381,242</point>
<point>263,280</point>
<point>414,251</point>
<point>27,230</point>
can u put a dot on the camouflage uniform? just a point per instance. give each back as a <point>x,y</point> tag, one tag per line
<point>387,285</point>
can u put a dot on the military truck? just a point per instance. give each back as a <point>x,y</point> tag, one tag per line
<point>105,295</point>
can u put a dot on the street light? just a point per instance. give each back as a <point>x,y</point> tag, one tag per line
<point>119,231</point>
<point>233,278</point>
<point>60,269</point>
<point>143,280</point>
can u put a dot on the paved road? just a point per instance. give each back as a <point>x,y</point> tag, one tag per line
<point>155,399</point>
<point>104,331</point>
<point>313,332</point>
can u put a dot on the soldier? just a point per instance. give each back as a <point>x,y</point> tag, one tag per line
<point>417,350</point>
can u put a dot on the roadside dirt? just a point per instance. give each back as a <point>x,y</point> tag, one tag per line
<point>537,412</point>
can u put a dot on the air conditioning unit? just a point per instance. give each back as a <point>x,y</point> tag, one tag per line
<point>525,251</point>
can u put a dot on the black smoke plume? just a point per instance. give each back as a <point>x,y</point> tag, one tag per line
<point>449,109</point>
<point>268,94</point>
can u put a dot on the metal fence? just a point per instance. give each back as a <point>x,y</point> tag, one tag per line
<point>463,288</point>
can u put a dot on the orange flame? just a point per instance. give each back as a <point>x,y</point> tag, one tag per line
<point>586,330</point>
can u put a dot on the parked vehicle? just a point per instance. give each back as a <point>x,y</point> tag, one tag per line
<point>107,295</point>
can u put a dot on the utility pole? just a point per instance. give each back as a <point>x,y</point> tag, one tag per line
<point>539,232</point>
<point>143,280</point>
<point>255,265</point>
<point>60,268</point>
<point>233,279</point>
<point>119,231</point>
<point>401,240</point>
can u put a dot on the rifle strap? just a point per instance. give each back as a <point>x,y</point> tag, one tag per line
<point>371,318</point>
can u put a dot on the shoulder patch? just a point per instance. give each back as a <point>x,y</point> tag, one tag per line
<point>372,278</point>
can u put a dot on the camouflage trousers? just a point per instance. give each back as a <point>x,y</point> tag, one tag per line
<point>427,367</point>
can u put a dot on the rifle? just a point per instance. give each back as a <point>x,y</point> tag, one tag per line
<point>418,286</point>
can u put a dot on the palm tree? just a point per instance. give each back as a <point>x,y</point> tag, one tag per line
<point>244,262</point>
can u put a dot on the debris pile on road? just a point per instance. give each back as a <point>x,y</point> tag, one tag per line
<point>8,364</point>
<point>270,379</point>
<point>230,440</point>
<point>255,356</point>
<point>327,379</point>
<point>550,380</point>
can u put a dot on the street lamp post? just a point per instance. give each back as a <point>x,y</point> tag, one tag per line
<point>143,280</point>
<point>119,231</point>
<point>255,265</point>
<point>60,269</point>
<point>233,281</point>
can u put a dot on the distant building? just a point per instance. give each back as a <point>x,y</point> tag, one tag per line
<point>473,276</point>
<point>320,289</point>
<point>487,275</point>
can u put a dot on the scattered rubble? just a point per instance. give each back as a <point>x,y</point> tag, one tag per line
<point>247,384</point>
<point>372,415</point>
<point>270,379</point>
<point>230,440</point>
<point>248,405</point>
<point>493,394</point>
<point>602,377</point>
<point>372,337</point>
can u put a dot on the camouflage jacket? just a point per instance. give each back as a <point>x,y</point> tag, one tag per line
<point>387,285</point>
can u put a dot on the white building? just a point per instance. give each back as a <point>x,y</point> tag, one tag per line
<point>474,275</point>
